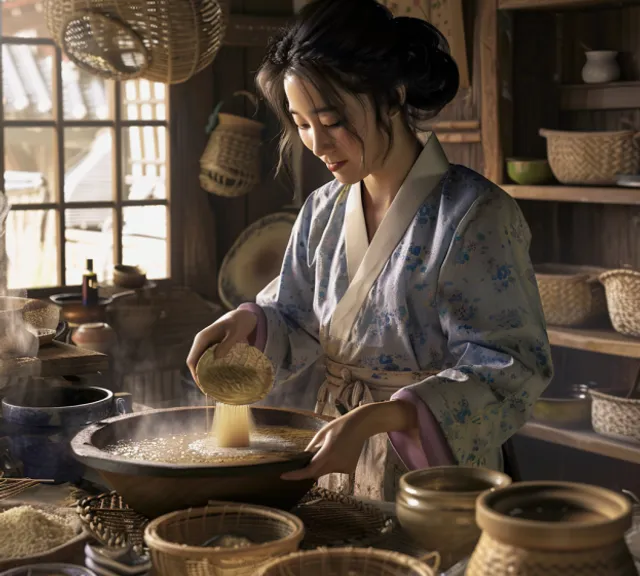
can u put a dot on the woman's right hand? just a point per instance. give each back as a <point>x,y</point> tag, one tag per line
<point>233,327</point>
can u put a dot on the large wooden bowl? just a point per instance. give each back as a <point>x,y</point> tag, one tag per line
<point>154,488</point>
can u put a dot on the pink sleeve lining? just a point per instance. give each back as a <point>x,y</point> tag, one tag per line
<point>431,447</point>
<point>259,336</point>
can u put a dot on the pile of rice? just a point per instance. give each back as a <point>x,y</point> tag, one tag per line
<point>26,531</point>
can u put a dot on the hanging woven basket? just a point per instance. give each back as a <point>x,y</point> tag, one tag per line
<point>230,164</point>
<point>166,41</point>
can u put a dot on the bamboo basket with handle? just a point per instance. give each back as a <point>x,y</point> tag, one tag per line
<point>230,165</point>
<point>165,41</point>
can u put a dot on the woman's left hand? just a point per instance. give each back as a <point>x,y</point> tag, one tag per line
<point>339,444</point>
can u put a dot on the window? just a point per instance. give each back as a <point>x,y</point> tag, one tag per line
<point>84,160</point>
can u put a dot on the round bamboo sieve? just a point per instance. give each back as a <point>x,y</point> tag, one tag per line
<point>243,376</point>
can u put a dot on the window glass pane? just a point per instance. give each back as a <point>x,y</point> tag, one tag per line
<point>88,234</point>
<point>144,239</point>
<point>24,18</point>
<point>29,161</point>
<point>27,82</point>
<point>88,162</point>
<point>144,100</point>
<point>144,162</point>
<point>86,97</point>
<point>32,249</point>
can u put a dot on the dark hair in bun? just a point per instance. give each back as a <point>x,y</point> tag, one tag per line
<point>358,46</point>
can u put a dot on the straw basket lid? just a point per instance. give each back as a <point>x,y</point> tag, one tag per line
<point>255,259</point>
<point>351,562</point>
<point>165,41</point>
<point>243,376</point>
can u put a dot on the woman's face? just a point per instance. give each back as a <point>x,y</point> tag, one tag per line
<point>323,131</point>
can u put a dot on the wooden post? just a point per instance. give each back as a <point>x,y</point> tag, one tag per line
<point>489,80</point>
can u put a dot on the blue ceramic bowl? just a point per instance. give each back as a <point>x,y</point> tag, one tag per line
<point>40,421</point>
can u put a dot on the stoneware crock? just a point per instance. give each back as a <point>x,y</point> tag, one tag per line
<point>436,507</point>
<point>40,421</point>
<point>552,529</point>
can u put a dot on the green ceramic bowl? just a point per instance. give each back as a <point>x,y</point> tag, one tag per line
<point>529,171</point>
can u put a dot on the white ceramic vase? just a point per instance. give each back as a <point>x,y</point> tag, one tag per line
<point>601,67</point>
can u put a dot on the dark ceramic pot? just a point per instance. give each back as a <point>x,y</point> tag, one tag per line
<point>40,421</point>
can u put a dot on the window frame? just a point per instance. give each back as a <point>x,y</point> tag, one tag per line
<point>118,125</point>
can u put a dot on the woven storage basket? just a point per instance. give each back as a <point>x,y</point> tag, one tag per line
<point>230,164</point>
<point>570,295</point>
<point>615,416</point>
<point>623,300</point>
<point>592,157</point>
<point>165,41</point>
<point>351,562</point>
<point>176,540</point>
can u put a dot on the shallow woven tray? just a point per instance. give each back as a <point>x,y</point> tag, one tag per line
<point>110,521</point>
<point>334,520</point>
<point>330,520</point>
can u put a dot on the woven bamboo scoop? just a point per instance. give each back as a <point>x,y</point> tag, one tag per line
<point>243,376</point>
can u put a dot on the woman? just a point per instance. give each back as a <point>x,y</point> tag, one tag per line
<point>408,276</point>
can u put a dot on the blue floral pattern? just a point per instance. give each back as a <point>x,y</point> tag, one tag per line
<point>458,294</point>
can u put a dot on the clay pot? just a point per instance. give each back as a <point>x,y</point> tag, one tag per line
<point>552,528</point>
<point>131,277</point>
<point>437,507</point>
<point>96,336</point>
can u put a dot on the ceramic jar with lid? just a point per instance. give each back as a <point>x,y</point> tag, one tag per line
<point>552,529</point>
<point>437,507</point>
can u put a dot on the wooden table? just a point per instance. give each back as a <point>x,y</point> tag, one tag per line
<point>59,359</point>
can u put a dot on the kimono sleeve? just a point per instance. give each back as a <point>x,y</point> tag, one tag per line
<point>292,329</point>
<point>491,315</point>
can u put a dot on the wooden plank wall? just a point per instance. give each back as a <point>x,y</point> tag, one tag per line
<point>234,69</point>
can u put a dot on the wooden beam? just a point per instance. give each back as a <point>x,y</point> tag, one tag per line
<point>193,222</point>
<point>613,96</point>
<point>252,31</point>
<point>489,81</point>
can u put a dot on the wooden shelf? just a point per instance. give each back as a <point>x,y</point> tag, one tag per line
<point>614,96</point>
<point>589,194</point>
<point>585,440</point>
<point>602,341</point>
<point>549,4</point>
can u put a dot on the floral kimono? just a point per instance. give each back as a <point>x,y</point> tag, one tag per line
<point>440,309</point>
